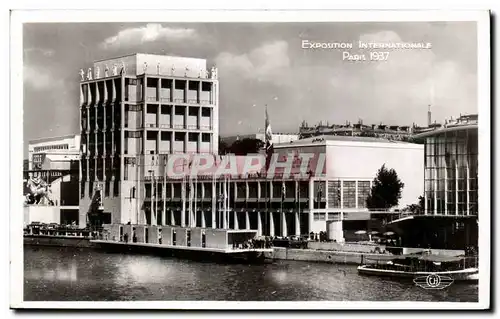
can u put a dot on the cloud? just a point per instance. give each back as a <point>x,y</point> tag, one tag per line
<point>45,52</point>
<point>267,63</point>
<point>149,33</point>
<point>39,78</point>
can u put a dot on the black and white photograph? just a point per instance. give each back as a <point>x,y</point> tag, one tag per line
<point>187,161</point>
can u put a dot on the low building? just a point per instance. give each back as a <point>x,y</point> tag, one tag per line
<point>335,190</point>
<point>51,180</point>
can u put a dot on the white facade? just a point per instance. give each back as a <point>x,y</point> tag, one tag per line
<point>278,138</point>
<point>351,164</point>
<point>58,150</point>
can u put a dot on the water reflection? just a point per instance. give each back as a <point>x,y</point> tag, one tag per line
<point>66,274</point>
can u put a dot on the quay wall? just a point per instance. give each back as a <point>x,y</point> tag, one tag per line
<point>326,256</point>
<point>346,247</point>
<point>57,241</point>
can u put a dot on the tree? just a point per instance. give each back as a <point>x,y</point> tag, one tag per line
<point>417,208</point>
<point>386,190</point>
<point>223,147</point>
<point>246,146</point>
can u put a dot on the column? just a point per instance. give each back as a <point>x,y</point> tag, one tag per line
<point>456,188</point>
<point>236,224</point>
<point>297,223</point>
<point>163,216</point>
<point>172,218</point>
<point>172,142</point>
<point>284,231</point>
<point>214,204</point>
<point>271,224</point>
<point>157,137</point>
<point>198,122</point>
<point>203,223</point>
<point>311,204</point>
<point>445,188</point>
<point>259,224</point>
<point>247,220</point>
<point>183,199</point>
<point>467,188</point>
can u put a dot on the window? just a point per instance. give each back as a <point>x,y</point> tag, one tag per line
<point>349,194</point>
<point>334,194</point>
<point>363,193</point>
<point>319,216</point>
<point>116,189</point>
<point>106,189</point>
<point>82,189</point>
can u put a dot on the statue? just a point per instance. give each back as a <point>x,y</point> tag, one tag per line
<point>201,73</point>
<point>124,69</point>
<point>89,74</point>
<point>115,69</point>
<point>145,67</point>
<point>186,71</point>
<point>97,72</point>
<point>158,68</point>
<point>106,71</point>
<point>39,192</point>
<point>214,73</point>
<point>173,69</point>
<point>82,74</point>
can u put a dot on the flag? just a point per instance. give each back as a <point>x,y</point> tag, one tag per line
<point>268,140</point>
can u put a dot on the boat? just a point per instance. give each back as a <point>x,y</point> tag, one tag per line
<point>420,265</point>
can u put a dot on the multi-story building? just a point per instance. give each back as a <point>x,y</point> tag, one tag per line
<point>134,109</point>
<point>451,167</point>
<point>449,218</point>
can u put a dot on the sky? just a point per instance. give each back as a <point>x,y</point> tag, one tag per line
<point>265,64</point>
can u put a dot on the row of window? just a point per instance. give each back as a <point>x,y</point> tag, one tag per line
<point>335,195</point>
<point>326,216</point>
<point>451,185</point>
<point>51,147</point>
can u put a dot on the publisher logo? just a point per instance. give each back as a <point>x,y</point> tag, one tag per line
<point>433,281</point>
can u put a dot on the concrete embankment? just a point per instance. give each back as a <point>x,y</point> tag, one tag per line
<point>62,241</point>
<point>326,256</point>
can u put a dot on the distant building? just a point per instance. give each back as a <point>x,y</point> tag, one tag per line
<point>52,166</point>
<point>54,153</point>
<point>390,132</point>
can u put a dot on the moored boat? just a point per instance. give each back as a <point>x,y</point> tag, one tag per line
<point>412,266</point>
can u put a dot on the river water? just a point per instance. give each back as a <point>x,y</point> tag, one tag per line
<point>68,274</point>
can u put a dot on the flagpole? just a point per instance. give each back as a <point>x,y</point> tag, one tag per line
<point>164,191</point>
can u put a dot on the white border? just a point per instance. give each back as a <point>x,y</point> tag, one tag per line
<point>16,216</point>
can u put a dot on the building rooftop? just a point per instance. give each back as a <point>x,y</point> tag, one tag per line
<point>325,138</point>
<point>463,122</point>
<point>52,139</point>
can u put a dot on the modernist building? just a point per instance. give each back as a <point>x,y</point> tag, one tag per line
<point>296,205</point>
<point>54,153</point>
<point>449,218</point>
<point>133,109</point>
<point>52,161</point>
